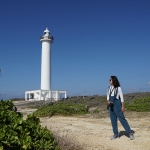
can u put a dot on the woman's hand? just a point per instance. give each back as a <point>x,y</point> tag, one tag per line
<point>123,109</point>
<point>108,102</point>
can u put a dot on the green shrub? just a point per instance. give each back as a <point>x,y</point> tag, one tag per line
<point>139,105</point>
<point>19,134</point>
<point>61,108</point>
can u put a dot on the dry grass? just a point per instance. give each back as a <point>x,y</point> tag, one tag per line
<point>66,141</point>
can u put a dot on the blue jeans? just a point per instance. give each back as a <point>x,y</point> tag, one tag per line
<point>116,112</point>
<point>112,99</point>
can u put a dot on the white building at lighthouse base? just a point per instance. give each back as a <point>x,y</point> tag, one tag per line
<point>37,95</point>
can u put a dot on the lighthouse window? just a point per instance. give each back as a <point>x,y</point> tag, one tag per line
<point>44,32</point>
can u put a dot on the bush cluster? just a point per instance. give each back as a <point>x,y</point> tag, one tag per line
<point>139,105</point>
<point>61,108</point>
<point>90,101</point>
<point>19,134</point>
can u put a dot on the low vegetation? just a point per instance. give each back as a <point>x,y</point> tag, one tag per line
<point>139,105</point>
<point>19,134</point>
<point>61,108</point>
<point>81,106</point>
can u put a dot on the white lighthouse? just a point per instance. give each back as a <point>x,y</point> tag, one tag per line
<point>45,93</point>
<point>46,61</point>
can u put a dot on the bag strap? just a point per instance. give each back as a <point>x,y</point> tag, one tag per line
<point>116,91</point>
<point>110,91</point>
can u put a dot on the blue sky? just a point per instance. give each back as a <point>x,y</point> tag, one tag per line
<point>93,39</point>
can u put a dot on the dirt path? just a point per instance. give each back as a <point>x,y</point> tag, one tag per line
<point>94,134</point>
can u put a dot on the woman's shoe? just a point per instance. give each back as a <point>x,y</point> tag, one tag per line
<point>114,137</point>
<point>131,136</point>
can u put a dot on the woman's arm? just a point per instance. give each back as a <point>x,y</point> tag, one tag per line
<point>108,102</point>
<point>120,94</point>
<point>121,98</point>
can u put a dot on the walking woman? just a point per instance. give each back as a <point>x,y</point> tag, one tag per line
<point>116,108</point>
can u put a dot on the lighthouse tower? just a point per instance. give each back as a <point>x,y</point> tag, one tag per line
<point>45,93</point>
<point>46,40</point>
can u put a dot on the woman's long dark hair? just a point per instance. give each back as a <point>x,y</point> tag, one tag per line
<point>115,81</point>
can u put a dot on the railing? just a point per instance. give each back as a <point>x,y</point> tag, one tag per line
<point>49,37</point>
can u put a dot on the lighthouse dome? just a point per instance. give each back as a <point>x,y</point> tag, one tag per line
<point>46,32</point>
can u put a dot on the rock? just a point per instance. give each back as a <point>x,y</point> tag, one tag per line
<point>92,109</point>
